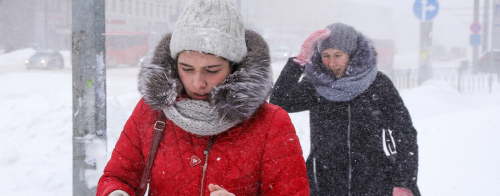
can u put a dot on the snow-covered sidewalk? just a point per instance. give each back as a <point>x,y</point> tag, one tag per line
<point>459,134</point>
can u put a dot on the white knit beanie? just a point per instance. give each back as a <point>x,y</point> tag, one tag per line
<point>210,26</point>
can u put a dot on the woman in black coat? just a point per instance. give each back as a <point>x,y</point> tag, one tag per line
<point>362,138</point>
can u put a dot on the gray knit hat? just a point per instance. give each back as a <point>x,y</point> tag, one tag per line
<point>343,37</point>
<point>210,26</point>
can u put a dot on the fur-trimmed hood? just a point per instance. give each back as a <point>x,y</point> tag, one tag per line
<point>237,98</point>
<point>364,57</point>
<point>359,75</point>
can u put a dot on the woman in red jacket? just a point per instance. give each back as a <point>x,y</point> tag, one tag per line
<point>211,79</point>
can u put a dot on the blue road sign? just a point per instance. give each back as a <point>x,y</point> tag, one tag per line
<point>425,10</point>
<point>475,27</point>
<point>475,39</point>
<point>497,9</point>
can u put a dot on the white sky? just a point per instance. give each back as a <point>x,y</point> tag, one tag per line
<point>450,26</point>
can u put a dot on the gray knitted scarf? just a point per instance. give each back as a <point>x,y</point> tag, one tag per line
<point>343,89</point>
<point>359,75</point>
<point>197,117</point>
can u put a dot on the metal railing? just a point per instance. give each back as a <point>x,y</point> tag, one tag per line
<point>404,79</point>
<point>462,80</point>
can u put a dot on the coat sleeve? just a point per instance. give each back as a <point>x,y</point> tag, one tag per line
<point>289,93</point>
<point>405,137</point>
<point>283,169</point>
<point>124,169</point>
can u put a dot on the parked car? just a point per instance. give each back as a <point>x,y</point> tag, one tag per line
<point>385,53</point>
<point>294,52</point>
<point>458,52</point>
<point>490,62</point>
<point>281,53</point>
<point>45,60</point>
<point>5,49</point>
<point>438,51</point>
<point>141,60</point>
<point>448,56</point>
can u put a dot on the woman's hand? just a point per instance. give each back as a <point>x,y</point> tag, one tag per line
<point>216,190</point>
<point>400,191</point>
<point>307,48</point>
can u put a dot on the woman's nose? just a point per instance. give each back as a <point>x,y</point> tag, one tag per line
<point>199,81</point>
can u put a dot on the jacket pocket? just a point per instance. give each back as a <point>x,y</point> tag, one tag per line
<point>314,173</point>
<point>388,143</point>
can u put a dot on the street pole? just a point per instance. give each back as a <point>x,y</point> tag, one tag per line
<point>495,37</point>
<point>40,24</point>
<point>486,24</point>
<point>475,48</point>
<point>425,72</point>
<point>425,10</point>
<point>89,95</point>
<point>45,24</point>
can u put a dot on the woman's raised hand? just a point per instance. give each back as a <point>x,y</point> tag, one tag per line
<point>400,191</point>
<point>307,48</point>
<point>216,190</point>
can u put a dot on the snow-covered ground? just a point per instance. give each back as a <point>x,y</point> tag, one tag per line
<point>459,134</point>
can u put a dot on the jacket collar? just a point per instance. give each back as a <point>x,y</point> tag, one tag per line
<point>237,98</point>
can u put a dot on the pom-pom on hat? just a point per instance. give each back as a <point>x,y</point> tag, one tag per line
<point>343,37</point>
<point>210,26</point>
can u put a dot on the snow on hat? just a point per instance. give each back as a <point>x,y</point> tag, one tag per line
<point>343,37</point>
<point>210,26</point>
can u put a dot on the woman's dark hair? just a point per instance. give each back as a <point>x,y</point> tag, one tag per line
<point>232,65</point>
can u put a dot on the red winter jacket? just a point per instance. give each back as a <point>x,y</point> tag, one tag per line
<point>260,156</point>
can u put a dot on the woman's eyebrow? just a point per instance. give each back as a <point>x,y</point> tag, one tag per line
<point>184,64</point>
<point>212,66</point>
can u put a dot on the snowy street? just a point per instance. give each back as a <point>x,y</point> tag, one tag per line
<point>458,133</point>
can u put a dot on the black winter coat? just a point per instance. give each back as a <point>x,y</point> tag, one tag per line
<point>365,146</point>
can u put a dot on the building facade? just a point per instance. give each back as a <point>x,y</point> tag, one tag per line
<point>156,17</point>
<point>46,24</point>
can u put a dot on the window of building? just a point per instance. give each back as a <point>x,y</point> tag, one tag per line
<point>130,7</point>
<point>151,9</point>
<point>107,6</point>
<point>122,7</point>
<point>137,8</point>
<point>158,11</point>
<point>164,11</point>
<point>64,5</point>
<point>48,5</point>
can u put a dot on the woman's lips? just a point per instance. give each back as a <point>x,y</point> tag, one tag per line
<point>335,71</point>
<point>201,95</point>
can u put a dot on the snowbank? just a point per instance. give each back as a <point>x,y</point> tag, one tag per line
<point>458,133</point>
<point>17,57</point>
